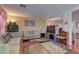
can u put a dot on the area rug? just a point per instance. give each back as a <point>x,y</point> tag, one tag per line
<point>26,50</point>
<point>27,46</point>
<point>44,48</point>
<point>53,49</point>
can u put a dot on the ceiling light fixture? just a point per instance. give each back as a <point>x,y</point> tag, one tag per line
<point>22,5</point>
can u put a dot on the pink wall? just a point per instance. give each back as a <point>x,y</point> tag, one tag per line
<point>2,24</point>
<point>2,20</point>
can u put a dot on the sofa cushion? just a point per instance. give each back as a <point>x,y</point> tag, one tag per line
<point>31,37</point>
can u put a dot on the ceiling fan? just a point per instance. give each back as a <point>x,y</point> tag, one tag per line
<point>22,5</point>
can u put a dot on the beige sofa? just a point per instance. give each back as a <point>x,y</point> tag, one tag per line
<point>12,47</point>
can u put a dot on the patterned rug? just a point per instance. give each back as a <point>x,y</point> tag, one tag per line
<point>44,48</point>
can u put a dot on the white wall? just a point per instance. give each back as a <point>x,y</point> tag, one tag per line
<point>75,18</point>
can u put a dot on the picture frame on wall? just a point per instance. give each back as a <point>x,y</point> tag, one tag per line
<point>29,23</point>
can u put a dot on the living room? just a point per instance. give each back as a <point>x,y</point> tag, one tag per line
<point>27,29</point>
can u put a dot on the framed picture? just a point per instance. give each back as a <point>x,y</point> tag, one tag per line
<point>29,22</point>
<point>77,24</point>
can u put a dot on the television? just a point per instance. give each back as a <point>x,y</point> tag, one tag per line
<point>51,29</point>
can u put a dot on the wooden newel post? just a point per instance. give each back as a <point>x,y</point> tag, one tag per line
<point>21,43</point>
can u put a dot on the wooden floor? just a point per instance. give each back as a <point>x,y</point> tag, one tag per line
<point>73,47</point>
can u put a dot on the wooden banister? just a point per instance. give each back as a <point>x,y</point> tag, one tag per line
<point>21,43</point>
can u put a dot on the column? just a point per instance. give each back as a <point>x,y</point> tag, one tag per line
<point>68,27</point>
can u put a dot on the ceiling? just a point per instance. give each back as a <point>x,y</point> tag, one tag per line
<point>40,10</point>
